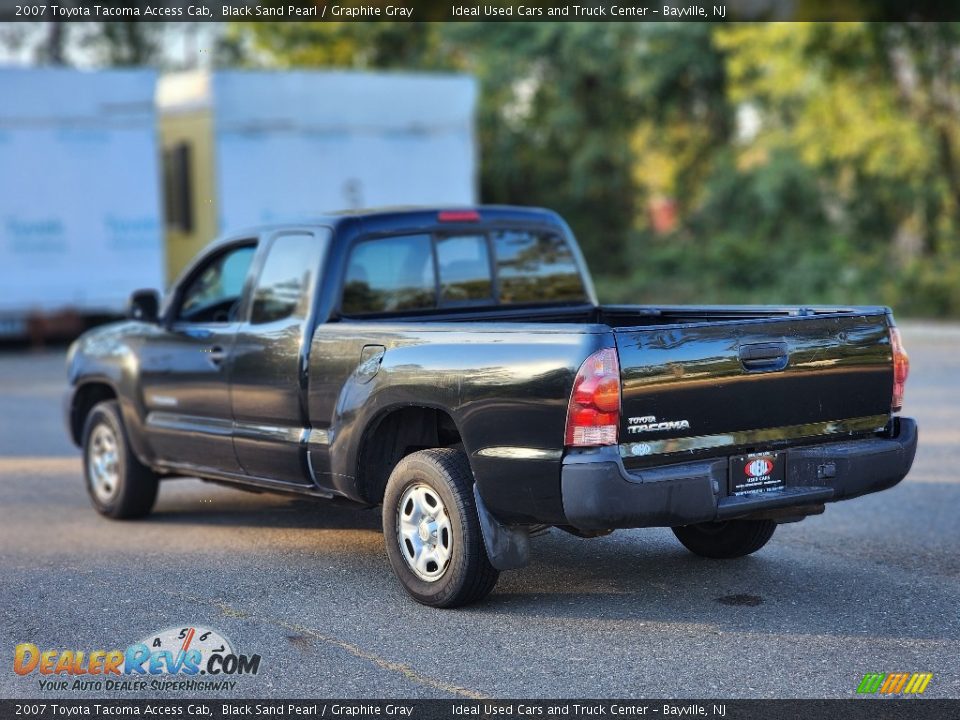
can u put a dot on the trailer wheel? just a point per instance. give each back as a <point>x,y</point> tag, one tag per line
<point>723,540</point>
<point>119,485</point>
<point>432,530</point>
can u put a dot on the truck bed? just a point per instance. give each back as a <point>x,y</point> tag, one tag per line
<point>710,380</point>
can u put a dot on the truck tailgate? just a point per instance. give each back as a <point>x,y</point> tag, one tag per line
<point>710,384</point>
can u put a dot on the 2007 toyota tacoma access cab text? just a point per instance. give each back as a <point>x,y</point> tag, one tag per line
<point>455,368</point>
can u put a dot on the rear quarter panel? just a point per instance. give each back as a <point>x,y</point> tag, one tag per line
<point>505,385</point>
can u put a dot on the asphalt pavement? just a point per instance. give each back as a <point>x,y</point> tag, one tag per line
<point>873,585</point>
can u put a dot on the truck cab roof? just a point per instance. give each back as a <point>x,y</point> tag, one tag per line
<point>405,218</point>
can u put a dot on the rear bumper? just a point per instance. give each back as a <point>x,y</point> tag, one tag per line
<point>599,493</point>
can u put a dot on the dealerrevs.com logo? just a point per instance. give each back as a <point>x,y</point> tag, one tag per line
<point>172,659</point>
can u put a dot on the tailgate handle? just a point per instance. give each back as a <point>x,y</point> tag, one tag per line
<point>764,357</point>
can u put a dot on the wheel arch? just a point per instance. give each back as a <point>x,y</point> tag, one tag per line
<point>393,434</point>
<point>84,399</point>
<point>401,430</point>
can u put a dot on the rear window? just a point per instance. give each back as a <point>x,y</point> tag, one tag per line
<point>464,265</point>
<point>419,272</point>
<point>389,275</point>
<point>536,267</point>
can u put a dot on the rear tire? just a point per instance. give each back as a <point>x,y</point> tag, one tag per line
<point>724,540</point>
<point>119,485</point>
<point>432,530</point>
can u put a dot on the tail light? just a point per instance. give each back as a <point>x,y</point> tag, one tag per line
<point>593,415</point>
<point>901,368</point>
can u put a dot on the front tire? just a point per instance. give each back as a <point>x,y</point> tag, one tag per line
<point>119,485</point>
<point>432,530</point>
<point>724,540</point>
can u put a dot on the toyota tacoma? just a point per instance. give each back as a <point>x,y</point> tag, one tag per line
<point>454,367</point>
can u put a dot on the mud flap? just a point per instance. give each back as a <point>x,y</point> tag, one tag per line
<point>507,547</point>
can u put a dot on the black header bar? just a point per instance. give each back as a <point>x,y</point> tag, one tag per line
<point>478,10</point>
<point>222,708</point>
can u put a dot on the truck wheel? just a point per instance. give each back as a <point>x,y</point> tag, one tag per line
<point>730,539</point>
<point>119,485</point>
<point>432,530</point>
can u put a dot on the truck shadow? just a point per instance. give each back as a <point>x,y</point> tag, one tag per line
<point>228,507</point>
<point>864,570</point>
<point>786,589</point>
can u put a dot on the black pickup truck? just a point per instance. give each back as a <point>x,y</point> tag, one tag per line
<point>455,368</point>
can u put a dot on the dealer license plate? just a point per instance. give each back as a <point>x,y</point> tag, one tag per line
<point>757,472</point>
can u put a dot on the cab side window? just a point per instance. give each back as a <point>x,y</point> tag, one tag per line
<point>285,285</point>
<point>214,292</point>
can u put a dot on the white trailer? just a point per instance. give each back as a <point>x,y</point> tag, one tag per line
<point>84,219</point>
<point>80,221</point>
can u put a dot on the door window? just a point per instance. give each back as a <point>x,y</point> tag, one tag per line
<point>289,273</point>
<point>214,292</point>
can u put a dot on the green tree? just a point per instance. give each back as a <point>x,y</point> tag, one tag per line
<point>125,43</point>
<point>874,111</point>
<point>359,45</point>
<point>558,111</point>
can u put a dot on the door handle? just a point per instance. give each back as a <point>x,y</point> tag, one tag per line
<point>216,355</point>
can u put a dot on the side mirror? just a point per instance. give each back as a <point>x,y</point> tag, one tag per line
<point>144,306</point>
